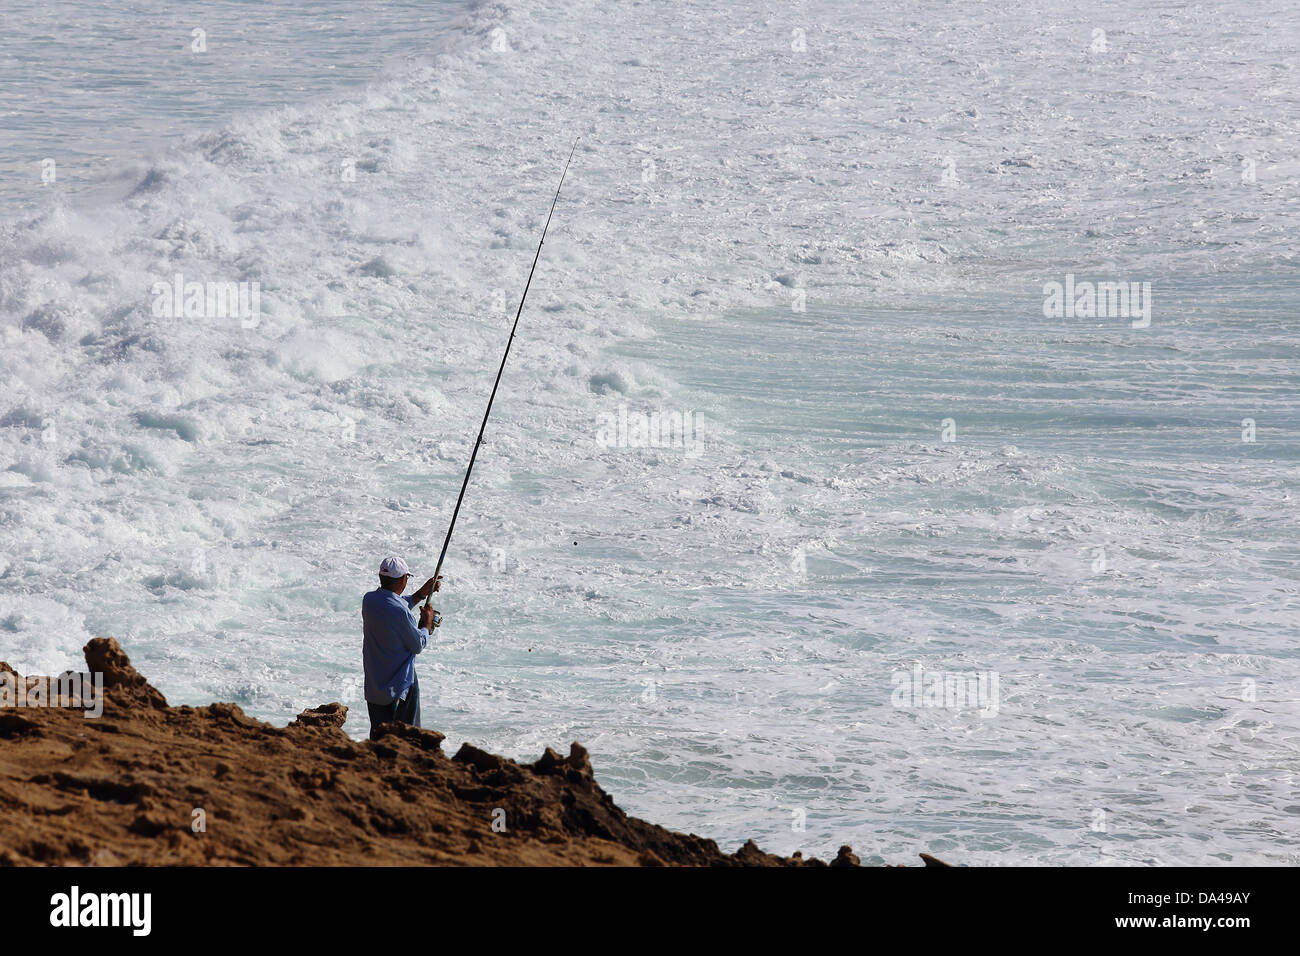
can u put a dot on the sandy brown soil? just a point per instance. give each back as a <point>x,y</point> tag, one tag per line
<point>122,789</point>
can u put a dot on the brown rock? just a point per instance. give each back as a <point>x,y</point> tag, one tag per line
<point>150,785</point>
<point>14,725</point>
<point>150,823</point>
<point>576,767</point>
<point>480,760</point>
<point>751,855</point>
<point>934,861</point>
<point>229,713</point>
<point>579,762</point>
<point>423,738</point>
<point>549,762</point>
<point>326,715</point>
<point>105,656</point>
<point>846,857</point>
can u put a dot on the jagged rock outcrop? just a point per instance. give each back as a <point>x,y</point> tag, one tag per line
<point>846,857</point>
<point>149,784</point>
<point>326,715</point>
<point>105,656</point>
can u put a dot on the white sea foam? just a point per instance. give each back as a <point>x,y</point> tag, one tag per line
<point>719,629</point>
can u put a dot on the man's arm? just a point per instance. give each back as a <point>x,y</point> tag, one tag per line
<point>416,639</point>
<point>431,585</point>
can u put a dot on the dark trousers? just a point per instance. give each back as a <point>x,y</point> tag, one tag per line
<point>405,711</point>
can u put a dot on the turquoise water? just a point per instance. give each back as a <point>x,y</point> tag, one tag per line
<point>97,87</point>
<point>724,625</point>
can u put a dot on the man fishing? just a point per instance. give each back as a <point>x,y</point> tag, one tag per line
<point>392,636</point>
<point>391,639</point>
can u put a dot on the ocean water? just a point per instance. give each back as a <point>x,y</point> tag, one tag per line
<point>818,235</point>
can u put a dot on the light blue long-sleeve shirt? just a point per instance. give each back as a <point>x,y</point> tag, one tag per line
<point>391,639</point>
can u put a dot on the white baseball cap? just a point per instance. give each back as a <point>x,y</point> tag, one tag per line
<point>393,567</point>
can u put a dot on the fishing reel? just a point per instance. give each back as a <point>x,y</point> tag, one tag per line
<point>435,618</point>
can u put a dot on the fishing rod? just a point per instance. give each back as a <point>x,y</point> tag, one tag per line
<point>509,342</point>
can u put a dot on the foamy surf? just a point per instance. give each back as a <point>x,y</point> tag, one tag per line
<point>834,264</point>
